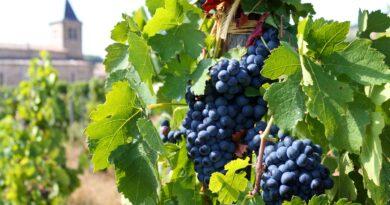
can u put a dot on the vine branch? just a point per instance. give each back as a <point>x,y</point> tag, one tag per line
<point>159,105</point>
<point>259,163</point>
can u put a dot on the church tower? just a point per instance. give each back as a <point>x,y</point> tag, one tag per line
<point>67,33</point>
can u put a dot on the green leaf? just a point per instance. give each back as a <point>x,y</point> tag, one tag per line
<point>116,58</point>
<point>372,150</point>
<point>344,186</point>
<point>139,57</point>
<point>313,129</point>
<point>178,74</point>
<point>274,67</point>
<point>183,167</point>
<point>345,202</point>
<point>319,200</point>
<point>178,115</point>
<point>192,38</point>
<point>378,94</point>
<point>375,21</point>
<point>165,18</point>
<point>185,37</point>
<point>150,135</point>
<point>173,89</point>
<point>381,44</point>
<point>200,76</point>
<point>286,101</point>
<point>119,33</point>
<point>328,37</point>
<point>235,53</point>
<point>380,194</point>
<point>112,123</point>
<point>361,63</point>
<point>294,201</point>
<point>144,94</point>
<point>135,172</point>
<point>327,97</point>
<point>352,127</point>
<point>159,43</point>
<point>229,186</point>
<point>139,18</point>
<point>153,5</point>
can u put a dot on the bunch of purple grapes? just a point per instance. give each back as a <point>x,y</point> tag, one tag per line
<point>168,135</point>
<point>224,110</point>
<point>293,167</point>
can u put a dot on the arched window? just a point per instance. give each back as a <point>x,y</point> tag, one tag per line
<point>72,34</point>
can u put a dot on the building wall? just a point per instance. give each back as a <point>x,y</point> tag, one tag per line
<point>26,52</point>
<point>72,39</point>
<point>13,71</point>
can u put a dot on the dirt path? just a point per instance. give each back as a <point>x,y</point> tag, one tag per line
<point>96,189</point>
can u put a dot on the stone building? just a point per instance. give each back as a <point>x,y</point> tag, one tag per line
<point>65,50</point>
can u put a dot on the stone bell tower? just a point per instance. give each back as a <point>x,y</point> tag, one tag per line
<point>67,34</point>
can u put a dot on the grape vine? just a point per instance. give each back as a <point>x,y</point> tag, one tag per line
<point>306,78</point>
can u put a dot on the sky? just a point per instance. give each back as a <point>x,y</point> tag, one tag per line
<point>27,21</point>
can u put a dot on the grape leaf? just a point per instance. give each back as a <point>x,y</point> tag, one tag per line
<point>294,201</point>
<point>116,58</point>
<point>200,76</point>
<point>139,57</point>
<point>286,101</point>
<point>378,94</point>
<point>159,43</point>
<point>229,186</point>
<point>385,140</point>
<point>380,194</point>
<point>177,76</point>
<point>153,5</point>
<point>119,33</point>
<point>119,68</point>
<point>113,123</point>
<point>185,37</point>
<point>183,168</point>
<point>165,18</point>
<point>328,37</point>
<point>135,172</point>
<point>345,202</point>
<point>351,128</point>
<point>319,200</point>
<point>381,44</point>
<point>177,117</point>
<point>235,53</point>
<point>375,21</point>
<point>274,67</point>
<point>183,179</point>
<point>150,135</point>
<point>313,129</point>
<point>361,63</point>
<point>327,97</point>
<point>173,89</point>
<point>145,96</point>
<point>344,186</point>
<point>372,150</point>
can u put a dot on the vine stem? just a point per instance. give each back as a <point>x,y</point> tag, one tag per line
<point>259,163</point>
<point>158,105</point>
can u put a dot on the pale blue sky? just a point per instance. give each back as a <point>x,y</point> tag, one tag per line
<point>27,21</point>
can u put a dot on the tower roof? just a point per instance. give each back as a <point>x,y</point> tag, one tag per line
<point>69,13</point>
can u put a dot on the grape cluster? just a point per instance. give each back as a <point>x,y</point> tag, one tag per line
<point>293,167</point>
<point>168,135</point>
<point>224,110</point>
<point>232,77</point>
